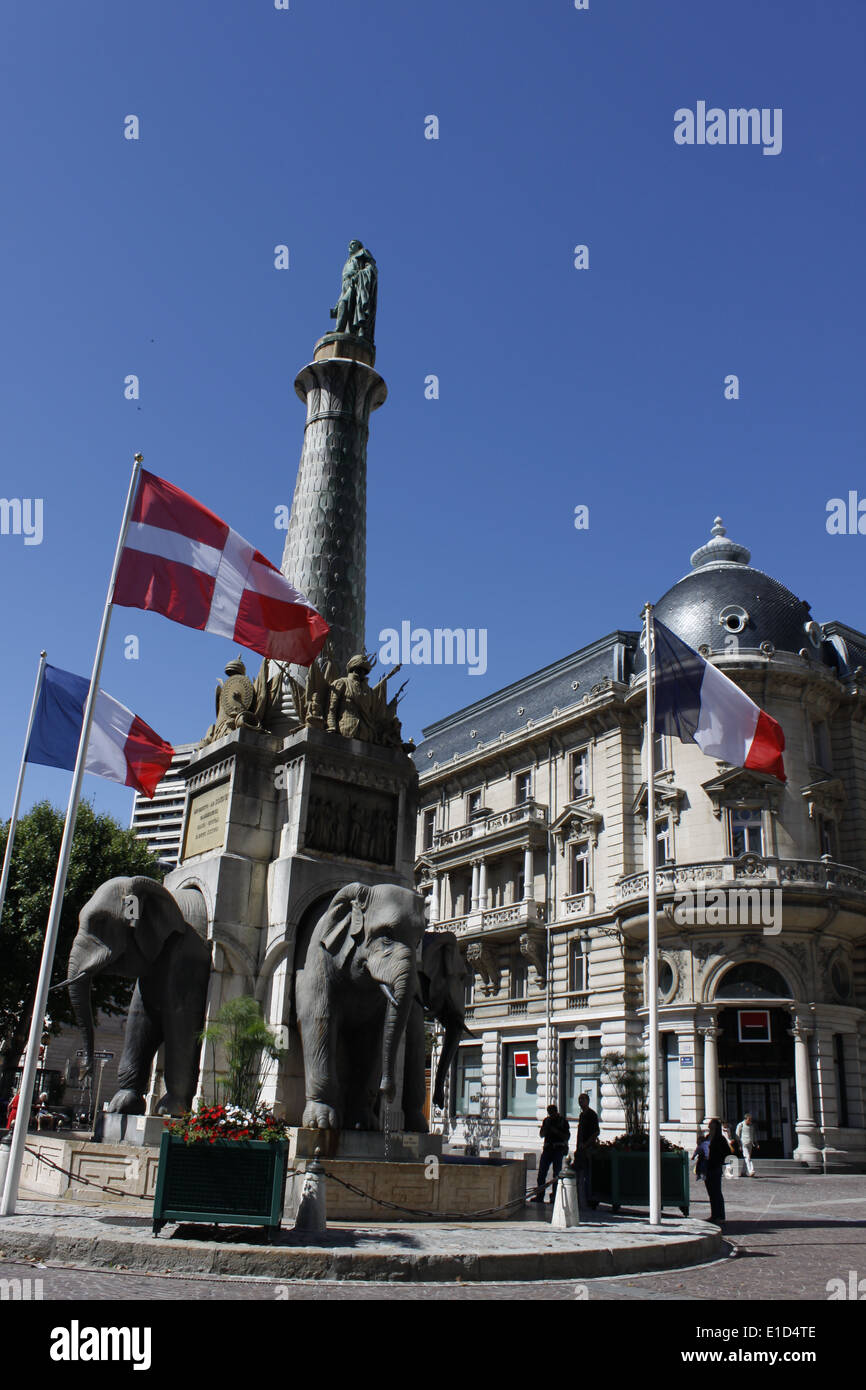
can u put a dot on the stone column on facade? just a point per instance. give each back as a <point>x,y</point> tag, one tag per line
<point>434,901</point>
<point>710,1034</point>
<point>528,874</point>
<point>482,886</point>
<point>326,543</point>
<point>473,907</point>
<point>446,901</point>
<point>807,1150</point>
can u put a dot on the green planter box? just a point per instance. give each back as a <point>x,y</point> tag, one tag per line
<point>234,1182</point>
<point>622,1179</point>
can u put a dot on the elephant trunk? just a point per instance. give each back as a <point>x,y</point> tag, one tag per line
<point>396,971</point>
<point>454,1030</point>
<point>85,960</point>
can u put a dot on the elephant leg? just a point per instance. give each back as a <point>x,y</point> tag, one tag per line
<point>322,1108</point>
<point>182,1051</point>
<point>143,1037</point>
<point>414,1085</point>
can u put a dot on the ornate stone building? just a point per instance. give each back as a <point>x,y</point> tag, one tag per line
<point>532,848</point>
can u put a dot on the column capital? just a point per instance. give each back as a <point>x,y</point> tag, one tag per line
<point>711,1031</point>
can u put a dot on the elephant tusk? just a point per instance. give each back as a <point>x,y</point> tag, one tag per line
<point>388,995</point>
<point>64,984</point>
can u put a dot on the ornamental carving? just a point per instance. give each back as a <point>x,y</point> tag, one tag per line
<point>481,958</point>
<point>533,945</point>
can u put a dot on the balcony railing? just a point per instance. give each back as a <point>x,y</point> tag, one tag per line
<point>527,814</point>
<point>748,868</point>
<point>578,904</point>
<point>503,922</point>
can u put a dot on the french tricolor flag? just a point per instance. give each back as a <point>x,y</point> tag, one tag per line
<point>121,747</point>
<point>697,703</point>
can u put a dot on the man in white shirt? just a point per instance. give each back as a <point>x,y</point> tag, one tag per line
<point>748,1140</point>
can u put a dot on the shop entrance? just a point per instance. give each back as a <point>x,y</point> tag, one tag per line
<point>769,1104</point>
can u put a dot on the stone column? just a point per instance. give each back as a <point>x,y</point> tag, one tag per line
<point>482,886</point>
<point>807,1150</point>
<point>528,874</point>
<point>475,877</point>
<point>434,901</point>
<point>710,1034</point>
<point>326,544</point>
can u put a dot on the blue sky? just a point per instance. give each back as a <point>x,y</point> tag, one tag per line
<point>558,387</point>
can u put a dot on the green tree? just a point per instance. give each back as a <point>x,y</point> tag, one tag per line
<point>101,849</point>
<point>240,1030</point>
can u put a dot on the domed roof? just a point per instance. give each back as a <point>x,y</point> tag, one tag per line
<point>724,596</point>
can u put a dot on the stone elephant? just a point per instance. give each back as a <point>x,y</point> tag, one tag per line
<point>137,928</point>
<point>442,993</point>
<point>353,997</point>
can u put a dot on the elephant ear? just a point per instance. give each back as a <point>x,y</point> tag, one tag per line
<point>343,926</point>
<point>152,914</point>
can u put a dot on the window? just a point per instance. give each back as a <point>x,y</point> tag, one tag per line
<point>660,752</point>
<point>671,1074</point>
<point>581,1071</point>
<point>519,976</point>
<point>520,1077</point>
<point>522,788</point>
<point>579,773</point>
<point>469,989</point>
<point>747,831</point>
<point>821,745</point>
<point>429,828</point>
<point>827,841</point>
<point>577,971</point>
<point>473,804</point>
<point>466,1091</point>
<point>841,1084</point>
<point>663,842</point>
<point>519,883</point>
<point>578,871</point>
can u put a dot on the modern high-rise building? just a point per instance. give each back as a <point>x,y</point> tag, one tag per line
<point>160,822</point>
<point>532,847</point>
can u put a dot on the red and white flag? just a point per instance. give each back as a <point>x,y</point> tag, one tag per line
<point>182,561</point>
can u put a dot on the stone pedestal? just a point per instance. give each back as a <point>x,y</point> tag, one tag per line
<point>275,827</point>
<point>363,1144</point>
<point>146,1130</point>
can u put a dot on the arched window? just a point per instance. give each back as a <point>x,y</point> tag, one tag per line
<point>753,980</point>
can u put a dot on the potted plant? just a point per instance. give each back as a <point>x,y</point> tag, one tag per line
<point>619,1169</point>
<point>226,1163</point>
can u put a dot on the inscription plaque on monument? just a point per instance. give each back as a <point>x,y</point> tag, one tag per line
<point>206,823</point>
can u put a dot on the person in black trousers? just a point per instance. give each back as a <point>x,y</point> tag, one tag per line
<point>555,1131</point>
<point>714,1150</point>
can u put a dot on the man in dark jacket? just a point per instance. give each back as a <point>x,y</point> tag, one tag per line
<point>587,1138</point>
<point>555,1131</point>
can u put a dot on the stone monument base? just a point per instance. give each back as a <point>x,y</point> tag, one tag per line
<point>130,1129</point>
<point>431,1188</point>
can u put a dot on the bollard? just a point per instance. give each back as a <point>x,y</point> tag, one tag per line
<point>312,1214</point>
<point>566,1210</point>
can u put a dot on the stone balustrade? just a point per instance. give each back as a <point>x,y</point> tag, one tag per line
<point>675,878</point>
<point>516,818</point>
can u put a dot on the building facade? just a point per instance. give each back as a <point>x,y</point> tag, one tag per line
<point>159,822</point>
<point>532,849</point>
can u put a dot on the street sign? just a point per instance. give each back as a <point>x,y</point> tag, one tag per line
<point>97,1056</point>
<point>686,1061</point>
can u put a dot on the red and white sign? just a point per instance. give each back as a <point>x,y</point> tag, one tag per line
<point>182,561</point>
<point>754,1025</point>
<point>522,1066</point>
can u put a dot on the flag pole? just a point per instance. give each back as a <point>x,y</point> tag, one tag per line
<point>25,1091</point>
<point>655,1190</point>
<point>13,823</point>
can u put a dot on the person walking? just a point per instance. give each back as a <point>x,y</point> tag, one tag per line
<point>746,1133</point>
<point>587,1137</point>
<point>711,1154</point>
<point>556,1132</point>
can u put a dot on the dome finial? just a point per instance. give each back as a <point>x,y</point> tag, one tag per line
<point>720,548</point>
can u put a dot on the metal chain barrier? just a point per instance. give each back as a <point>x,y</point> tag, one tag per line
<point>514,1204</point>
